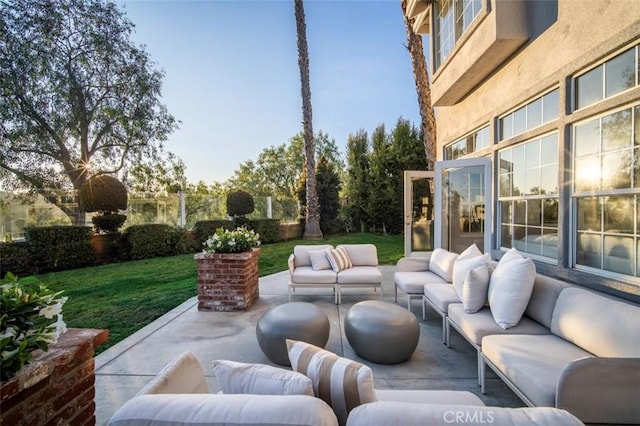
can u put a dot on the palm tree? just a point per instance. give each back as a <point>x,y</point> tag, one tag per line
<point>312,224</point>
<point>421,77</point>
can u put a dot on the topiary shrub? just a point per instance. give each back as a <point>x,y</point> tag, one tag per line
<point>239,204</point>
<point>106,195</point>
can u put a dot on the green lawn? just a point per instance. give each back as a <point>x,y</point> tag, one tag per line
<point>124,297</point>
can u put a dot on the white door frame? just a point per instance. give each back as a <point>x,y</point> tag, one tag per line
<point>409,177</point>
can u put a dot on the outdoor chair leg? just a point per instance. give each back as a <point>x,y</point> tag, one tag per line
<point>445,340</point>
<point>447,333</point>
<point>483,373</point>
<point>424,308</point>
<point>395,291</point>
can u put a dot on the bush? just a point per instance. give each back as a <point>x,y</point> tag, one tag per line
<point>240,203</point>
<point>56,248</point>
<point>104,194</point>
<point>269,229</point>
<point>206,228</point>
<point>108,222</point>
<point>154,240</point>
<point>15,257</point>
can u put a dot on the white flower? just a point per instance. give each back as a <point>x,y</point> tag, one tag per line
<point>9,332</point>
<point>61,327</point>
<point>50,311</point>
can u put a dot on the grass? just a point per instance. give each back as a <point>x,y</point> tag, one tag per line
<point>124,297</point>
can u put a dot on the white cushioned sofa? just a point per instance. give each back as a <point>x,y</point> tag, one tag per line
<point>175,397</point>
<point>321,266</point>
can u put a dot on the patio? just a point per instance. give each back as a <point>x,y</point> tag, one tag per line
<point>125,368</point>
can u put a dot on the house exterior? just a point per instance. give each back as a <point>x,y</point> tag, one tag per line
<point>548,90</point>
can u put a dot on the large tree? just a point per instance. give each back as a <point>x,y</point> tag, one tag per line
<point>312,224</point>
<point>423,89</point>
<point>78,97</point>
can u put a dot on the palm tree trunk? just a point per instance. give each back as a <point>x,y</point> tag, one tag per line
<point>312,224</point>
<point>421,77</point>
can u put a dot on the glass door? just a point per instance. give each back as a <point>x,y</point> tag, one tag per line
<point>418,212</point>
<point>463,204</point>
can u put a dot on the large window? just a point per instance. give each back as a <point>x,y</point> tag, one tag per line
<point>531,115</point>
<point>467,145</point>
<point>608,79</point>
<point>606,191</point>
<point>528,197</point>
<point>453,17</point>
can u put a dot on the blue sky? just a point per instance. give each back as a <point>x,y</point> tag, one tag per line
<point>232,75</point>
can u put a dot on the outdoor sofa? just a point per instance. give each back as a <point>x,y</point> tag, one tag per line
<point>178,395</point>
<point>348,265</point>
<point>569,347</point>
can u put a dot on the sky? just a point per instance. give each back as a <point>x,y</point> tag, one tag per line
<point>232,76</point>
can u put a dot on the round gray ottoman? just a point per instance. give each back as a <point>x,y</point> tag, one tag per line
<point>296,320</point>
<point>382,332</point>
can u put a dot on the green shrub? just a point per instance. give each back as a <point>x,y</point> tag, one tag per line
<point>239,203</point>
<point>206,228</point>
<point>104,194</point>
<point>56,248</point>
<point>15,257</point>
<point>269,229</point>
<point>154,240</point>
<point>108,222</point>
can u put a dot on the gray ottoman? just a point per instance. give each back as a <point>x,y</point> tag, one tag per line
<point>382,332</point>
<point>298,321</point>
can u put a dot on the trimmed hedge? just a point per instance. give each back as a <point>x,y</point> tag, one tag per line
<point>56,248</point>
<point>206,228</point>
<point>269,230</point>
<point>15,257</point>
<point>154,240</point>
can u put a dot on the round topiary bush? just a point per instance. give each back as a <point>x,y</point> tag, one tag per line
<point>239,203</point>
<point>104,194</point>
<point>109,222</point>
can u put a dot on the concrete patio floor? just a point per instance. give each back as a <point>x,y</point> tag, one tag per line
<point>122,370</point>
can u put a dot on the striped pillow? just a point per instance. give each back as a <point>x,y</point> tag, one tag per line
<point>340,382</point>
<point>339,259</point>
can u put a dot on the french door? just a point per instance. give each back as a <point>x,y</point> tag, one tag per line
<point>449,208</point>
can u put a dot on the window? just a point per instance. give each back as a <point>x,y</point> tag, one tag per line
<point>453,18</point>
<point>528,196</point>
<point>606,192</point>
<point>471,143</point>
<point>608,79</point>
<point>535,113</point>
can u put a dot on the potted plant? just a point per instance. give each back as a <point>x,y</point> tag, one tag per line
<point>228,270</point>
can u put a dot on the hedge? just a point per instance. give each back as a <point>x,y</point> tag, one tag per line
<point>269,229</point>
<point>56,248</point>
<point>153,240</point>
<point>206,228</point>
<point>15,257</point>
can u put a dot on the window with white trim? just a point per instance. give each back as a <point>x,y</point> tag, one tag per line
<point>453,18</point>
<point>606,192</point>
<point>471,143</point>
<point>528,196</point>
<point>531,115</point>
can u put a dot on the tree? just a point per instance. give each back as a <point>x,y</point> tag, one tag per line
<point>312,224</point>
<point>167,175</point>
<point>357,177</point>
<point>78,96</point>
<point>328,190</point>
<point>382,198</point>
<point>423,89</point>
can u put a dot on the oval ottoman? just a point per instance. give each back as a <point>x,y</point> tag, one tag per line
<point>382,332</point>
<point>296,320</point>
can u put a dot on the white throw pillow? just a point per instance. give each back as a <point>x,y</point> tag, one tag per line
<point>340,382</point>
<point>461,268</point>
<point>339,259</point>
<point>510,288</point>
<point>259,379</point>
<point>319,260</point>
<point>441,263</point>
<point>474,289</point>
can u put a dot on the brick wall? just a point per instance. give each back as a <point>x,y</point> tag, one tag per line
<point>56,387</point>
<point>227,281</point>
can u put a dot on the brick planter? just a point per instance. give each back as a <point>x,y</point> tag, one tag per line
<point>57,386</point>
<point>227,281</point>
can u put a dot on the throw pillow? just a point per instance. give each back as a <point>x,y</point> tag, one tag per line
<point>474,289</point>
<point>510,288</point>
<point>258,379</point>
<point>461,268</point>
<point>319,260</point>
<point>339,259</point>
<point>441,263</point>
<point>340,382</point>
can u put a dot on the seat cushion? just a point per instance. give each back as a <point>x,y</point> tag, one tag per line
<point>360,275</point>
<point>340,382</point>
<point>413,282</point>
<point>532,363</point>
<point>306,275</point>
<point>441,296</point>
<point>361,254</point>
<point>476,326</point>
